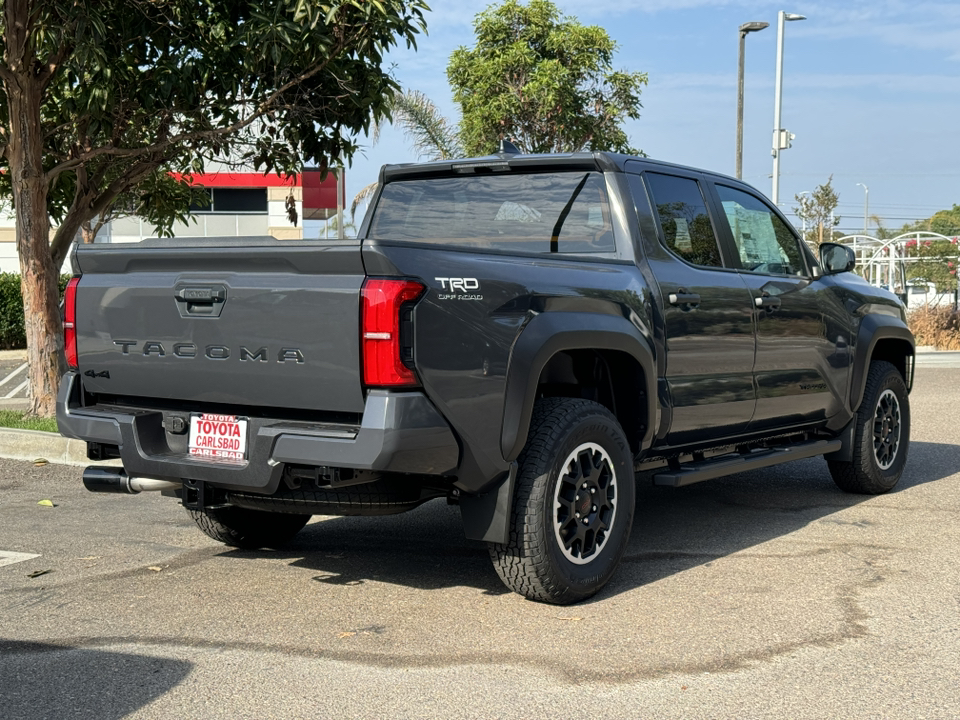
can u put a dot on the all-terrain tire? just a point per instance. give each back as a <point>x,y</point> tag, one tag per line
<point>881,436</point>
<point>248,529</point>
<point>576,466</point>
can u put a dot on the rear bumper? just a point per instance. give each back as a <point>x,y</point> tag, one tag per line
<point>399,432</point>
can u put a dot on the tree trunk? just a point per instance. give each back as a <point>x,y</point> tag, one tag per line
<point>38,284</point>
<point>88,233</point>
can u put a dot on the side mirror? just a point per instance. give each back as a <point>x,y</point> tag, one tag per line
<point>836,258</point>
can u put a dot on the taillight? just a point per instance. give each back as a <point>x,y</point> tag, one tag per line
<point>70,322</point>
<point>380,328</point>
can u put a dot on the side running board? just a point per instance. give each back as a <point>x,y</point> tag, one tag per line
<point>695,472</point>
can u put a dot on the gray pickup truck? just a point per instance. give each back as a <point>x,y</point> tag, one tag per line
<point>522,335</point>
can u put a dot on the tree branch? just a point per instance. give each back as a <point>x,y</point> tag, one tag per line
<point>262,109</point>
<point>86,205</point>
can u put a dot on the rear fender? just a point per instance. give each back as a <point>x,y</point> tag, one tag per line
<point>552,332</point>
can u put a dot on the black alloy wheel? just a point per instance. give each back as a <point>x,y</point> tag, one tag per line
<point>881,435</point>
<point>573,504</point>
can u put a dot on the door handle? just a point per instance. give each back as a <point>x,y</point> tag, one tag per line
<point>770,303</point>
<point>682,297</point>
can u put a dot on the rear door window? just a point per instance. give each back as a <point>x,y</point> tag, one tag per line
<point>563,212</point>
<point>684,220</point>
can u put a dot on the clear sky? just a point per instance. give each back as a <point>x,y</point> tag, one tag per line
<point>871,89</point>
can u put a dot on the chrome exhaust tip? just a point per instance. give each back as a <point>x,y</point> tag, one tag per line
<point>115,480</point>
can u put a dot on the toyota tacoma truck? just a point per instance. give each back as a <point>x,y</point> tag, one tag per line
<point>523,335</point>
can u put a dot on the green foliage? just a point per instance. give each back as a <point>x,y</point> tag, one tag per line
<point>12,334</point>
<point>542,80</point>
<point>133,88</point>
<point>944,222</point>
<point>19,420</point>
<point>433,136</point>
<point>816,210</point>
<point>936,262</point>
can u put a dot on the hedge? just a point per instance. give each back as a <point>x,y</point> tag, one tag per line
<point>12,333</point>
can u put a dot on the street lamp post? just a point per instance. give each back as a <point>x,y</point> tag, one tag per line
<point>803,217</point>
<point>866,205</point>
<point>781,138</point>
<point>744,29</point>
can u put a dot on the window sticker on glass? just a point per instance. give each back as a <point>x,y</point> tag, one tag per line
<point>682,241</point>
<point>765,244</point>
<point>517,212</point>
<point>595,217</point>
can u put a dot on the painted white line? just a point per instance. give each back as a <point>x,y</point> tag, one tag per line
<point>17,389</point>
<point>9,558</point>
<point>12,375</point>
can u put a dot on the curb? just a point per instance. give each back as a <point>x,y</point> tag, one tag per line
<point>33,445</point>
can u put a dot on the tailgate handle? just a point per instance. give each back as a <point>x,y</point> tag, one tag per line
<point>202,294</point>
<point>200,300</point>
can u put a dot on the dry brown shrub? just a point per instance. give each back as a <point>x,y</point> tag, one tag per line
<point>936,326</point>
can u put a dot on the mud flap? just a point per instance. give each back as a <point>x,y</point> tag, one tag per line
<point>846,436</point>
<point>486,516</point>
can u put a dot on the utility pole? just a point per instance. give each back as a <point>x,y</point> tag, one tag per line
<point>340,199</point>
<point>781,138</point>
<point>866,205</point>
<point>803,217</point>
<point>744,29</point>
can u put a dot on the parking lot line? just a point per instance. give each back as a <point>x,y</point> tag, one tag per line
<point>12,375</point>
<point>8,557</point>
<point>18,388</point>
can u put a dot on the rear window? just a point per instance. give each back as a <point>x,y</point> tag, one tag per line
<point>566,212</point>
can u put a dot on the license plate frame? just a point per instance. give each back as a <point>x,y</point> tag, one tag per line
<point>218,438</point>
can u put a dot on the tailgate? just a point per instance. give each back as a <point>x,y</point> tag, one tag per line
<point>255,322</point>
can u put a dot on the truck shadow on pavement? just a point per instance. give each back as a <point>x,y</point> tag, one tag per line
<point>38,680</point>
<point>674,529</point>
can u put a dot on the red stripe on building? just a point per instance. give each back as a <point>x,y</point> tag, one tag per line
<point>236,180</point>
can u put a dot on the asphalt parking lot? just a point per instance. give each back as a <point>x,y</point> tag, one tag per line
<point>768,594</point>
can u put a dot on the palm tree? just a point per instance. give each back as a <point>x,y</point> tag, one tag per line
<point>431,135</point>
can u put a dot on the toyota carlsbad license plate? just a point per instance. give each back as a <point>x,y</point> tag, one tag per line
<point>218,437</point>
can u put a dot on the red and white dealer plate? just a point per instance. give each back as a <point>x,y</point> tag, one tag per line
<point>222,438</point>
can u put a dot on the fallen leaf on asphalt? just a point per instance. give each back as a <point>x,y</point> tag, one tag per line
<point>155,568</point>
<point>39,462</point>
<point>38,573</point>
<point>346,634</point>
<point>46,503</point>
<point>90,557</point>
<point>572,618</point>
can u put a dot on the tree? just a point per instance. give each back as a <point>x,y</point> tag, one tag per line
<point>817,209</point>
<point>935,260</point>
<point>542,80</point>
<point>882,232</point>
<point>944,222</point>
<point>432,136</point>
<point>99,96</point>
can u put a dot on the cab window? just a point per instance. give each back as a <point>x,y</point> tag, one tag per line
<point>764,242</point>
<point>684,222</point>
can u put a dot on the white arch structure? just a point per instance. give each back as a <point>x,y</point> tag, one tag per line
<point>883,262</point>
